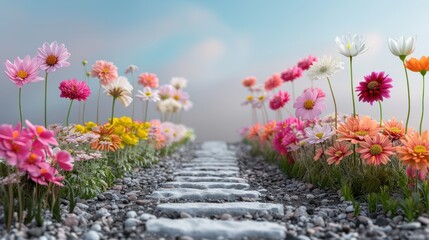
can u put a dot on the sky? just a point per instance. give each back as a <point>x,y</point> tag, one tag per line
<point>213,44</point>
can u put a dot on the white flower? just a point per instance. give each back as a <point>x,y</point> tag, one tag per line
<point>351,45</point>
<point>187,105</point>
<point>148,95</point>
<point>178,82</point>
<point>168,106</point>
<point>121,89</point>
<point>402,47</point>
<point>131,69</point>
<point>324,68</point>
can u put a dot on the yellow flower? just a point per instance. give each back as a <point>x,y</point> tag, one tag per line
<point>120,130</point>
<point>89,125</point>
<point>125,121</point>
<point>142,134</point>
<point>80,128</point>
<point>130,139</point>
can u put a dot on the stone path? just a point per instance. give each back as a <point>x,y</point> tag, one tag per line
<point>208,186</point>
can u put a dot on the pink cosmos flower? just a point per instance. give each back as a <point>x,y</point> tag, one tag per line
<point>273,82</point>
<point>249,82</point>
<point>279,100</point>
<point>291,74</point>
<point>42,137</point>
<point>165,91</point>
<point>45,173</point>
<point>375,87</point>
<point>29,164</point>
<point>148,80</point>
<point>309,106</point>
<point>53,56</point>
<point>320,92</point>
<point>14,146</point>
<point>64,159</point>
<point>23,71</point>
<point>306,63</point>
<point>107,72</point>
<point>74,89</point>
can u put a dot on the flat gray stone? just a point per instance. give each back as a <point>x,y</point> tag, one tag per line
<point>217,209</point>
<point>207,173</point>
<point>210,164</point>
<point>211,168</point>
<point>214,144</point>
<point>214,159</point>
<point>206,194</point>
<point>206,185</point>
<point>201,228</point>
<point>209,179</point>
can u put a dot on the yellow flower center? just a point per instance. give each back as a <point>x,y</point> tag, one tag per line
<point>32,158</point>
<point>43,171</point>
<point>376,149</point>
<point>261,98</point>
<point>39,129</point>
<point>249,98</point>
<point>176,97</point>
<point>51,60</point>
<point>419,149</point>
<point>309,104</point>
<point>106,70</point>
<point>105,138</point>
<point>148,94</point>
<point>395,130</point>
<point>319,135</point>
<point>22,74</point>
<point>15,134</point>
<point>338,153</point>
<point>361,133</point>
<point>348,46</point>
<point>323,69</point>
<point>372,85</point>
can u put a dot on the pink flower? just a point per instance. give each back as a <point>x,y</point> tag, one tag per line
<point>74,89</point>
<point>14,146</point>
<point>309,106</point>
<point>165,91</point>
<point>23,71</point>
<point>107,72</point>
<point>279,100</point>
<point>273,82</point>
<point>306,63</point>
<point>29,164</point>
<point>320,92</point>
<point>148,80</point>
<point>42,137</point>
<point>45,173</point>
<point>249,82</point>
<point>53,56</point>
<point>375,87</point>
<point>291,74</point>
<point>64,159</point>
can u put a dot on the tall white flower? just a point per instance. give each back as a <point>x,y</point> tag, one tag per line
<point>131,69</point>
<point>351,45</point>
<point>325,67</point>
<point>148,95</point>
<point>120,89</point>
<point>168,106</point>
<point>178,82</point>
<point>402,47</point>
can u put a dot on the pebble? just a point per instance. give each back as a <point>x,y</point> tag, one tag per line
<point>131,222</point>
<point>185,215</point>
<point>101,197</point>
<point>131,214</point>
<point>226,216</point>
<point>397,219</point>
<point>410,226</point>
<point>147,216</point>
<point>423,220</point>
<point>294,197</point>
<point>91,235</point>
<point>96,227</point>
<point>310,196</point>
<point>71,220</point>
<point>350,209</point>
<point>318,221</point>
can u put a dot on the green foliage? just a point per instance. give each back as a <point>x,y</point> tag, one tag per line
<point>372,200</point>
<point>411,206</point>
<point>357,208</point>
<point>346,191</point>
<point>392,206</point>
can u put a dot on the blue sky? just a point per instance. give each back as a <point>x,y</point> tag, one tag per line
<point>214,44</point>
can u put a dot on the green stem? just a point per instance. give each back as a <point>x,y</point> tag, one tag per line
<point>381,114</point>
<point>132,116</point>
<point>423,105</point>
<point>352,88</point>
<point>113,110</point>
<point>10,210</point>
<point>335,103</point>
<point>145,112</point>
<point>18,189</point>
<point>46,98</point>
<point>98,103</point>
<point>84,103</point>
<point>68,114</point>
<point>19,105</point>
<point>408,91</point>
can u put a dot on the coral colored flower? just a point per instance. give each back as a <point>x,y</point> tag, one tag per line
<point>416,65</point>
<point>279,100</point>
<point>402,47</point>
<point>23,71</point>
<point>355,129</point>
<point>249,82</point>
<point>148,95</point>
<point>131,69</point>
<point>74,90</point>
<point>107,141</point>
<point>375,87</point>
<point>178,82</point>
<point>414,151</point>
<point>376,150</point>
<point>273,82</point>
<point>324,68</point>
<point>393,129</point>
<point>306,63</point>
<point>105,71</point>
<point>291,74</point>
<point>318,133</point>
<point>337,152</point>
<point>120,89</point>
<point>254,131</point>
<point>351,45</point>
<point>53,56</point>
<point>148,80</point>
<point>309,106</point>
<point>318,154</point>
<point>268,130</point>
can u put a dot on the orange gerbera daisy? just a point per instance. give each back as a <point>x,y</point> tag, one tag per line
<point>376,150</point>
<point>394,129</point>
<point>254,131</point>
<point>355,129</point>
<point>338,152</point>
<point>268,130</point>
<point>107,141</point>
<point>415,150</point>
<point>415,65</point>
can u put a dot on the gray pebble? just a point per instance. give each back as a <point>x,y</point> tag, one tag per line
<point>131,214</point>
<point>91,235</point>
<point>318,221</point>
<point>131,222</point>
<point>147,216</point>
<point>96,227</point>
<point>350,209</point>
<point>185,215</point>
<point>309,196</point>
<point>410,226</point>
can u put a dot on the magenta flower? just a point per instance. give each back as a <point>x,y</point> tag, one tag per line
<point>74,90</point>
<point>42,136</point>
<point>29,164</point>
<point>105,71</point>
<point>45,173</point>
<point>63,159</point>
<point>291,74</point>
<point>306,63</point>
<point>14,146</point>
<point>23,71</point>
<point>375,87</point>
<point>53,56</point>
<point>273,82</point>
<point>309,106</point>
<point>279,100</point>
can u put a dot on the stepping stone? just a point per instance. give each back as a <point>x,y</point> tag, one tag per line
<point>207,173</point>
<point>214,145</point>
<point>206,185</point>
<point>209,164</point>
<point>211,168</point>
<point>212,159</point>
<point>201,228</point>
<point>217,209</point>
<point>209,179</point>
<point>204,195</point>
